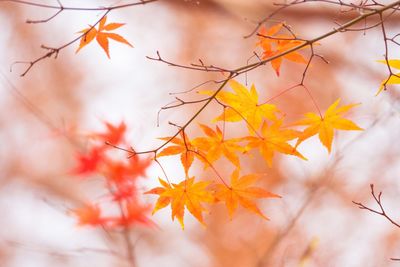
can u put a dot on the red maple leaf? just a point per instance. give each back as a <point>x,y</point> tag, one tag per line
<point>113,135</point>
<point>135,213</point>
<point>88,163</point>
<point>119,172</point>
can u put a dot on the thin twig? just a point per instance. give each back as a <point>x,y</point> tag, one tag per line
<point>381,211</point>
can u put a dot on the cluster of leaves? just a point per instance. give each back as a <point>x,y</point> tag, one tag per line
<point>274,44</point>
<point>120,178</point>
<point>267,133</point>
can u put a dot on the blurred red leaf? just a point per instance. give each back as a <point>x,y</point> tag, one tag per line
<point>88,163</point>
<point>136,213</point>
<point>114,134</point>
<point>89,214</point>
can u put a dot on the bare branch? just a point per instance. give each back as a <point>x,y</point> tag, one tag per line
<point>381,211</point>
<point>192,66</point>
<point>109,8</point>
<point>55,51</point>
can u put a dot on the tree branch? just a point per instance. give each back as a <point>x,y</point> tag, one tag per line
<point>381,211</point>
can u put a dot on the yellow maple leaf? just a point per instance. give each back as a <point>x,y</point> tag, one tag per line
<point>394,78</point>
<point>102,35</point>
<point>241,192</point>
<point>184,147</point>
<point>324,125</point>
<point>214,146</point>
<point>185,194</point>
<point>243,105</point>
<point>274,138</point>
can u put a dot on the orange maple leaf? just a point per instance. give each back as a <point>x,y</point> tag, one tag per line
<point>182,146</point>
<point>185,194</point>
<point>89,214</point>
<point>274,138</point>
<point>278,43</point>
<point>324,125</point>
<point>214,146</point>
<point>162,201</point>
<point>102,35</point>
<point>243,105</point>
<point>241,192</point>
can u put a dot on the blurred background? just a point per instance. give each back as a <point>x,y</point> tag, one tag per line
<point>44,116</point>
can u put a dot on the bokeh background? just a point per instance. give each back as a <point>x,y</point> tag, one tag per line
<point>44,117</point>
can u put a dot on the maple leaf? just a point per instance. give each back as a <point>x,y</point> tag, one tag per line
<point>113,135</point>
<point>120,172</point>
<point>324,125</point>
<point>88,163</point>
<point>243,105</point>
<point>135,213</point>
<point>182,146</point>
<point>272,139</point>
<point>185,194</point>
<point>102,35</point>
<point>394,78</point>
<point>241,192</point>
<point>162,201</point>
<point>126,191</point>
<point>89,214</point>
<point>278,44</point>
<point>214,146</point>
<point>138,166</point>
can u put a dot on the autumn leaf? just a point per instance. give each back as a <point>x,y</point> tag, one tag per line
<point>185,194</point>
<point>114,134</point>
<point>324,125</point>
<point>135,213</point>
<point>241,192</point>
<point>102,35</point>
<point>120,172</point>
<point>126,191</point>
<point>162,201</point>
<point>182,146</point>
<point>274,139</point>
<point>89,214</point>
<point>89,162</point>
<point>277,44</point>
<point>138,166</point>
<point>243,105</point>
<point>394,78</point>
<point>214,146</point>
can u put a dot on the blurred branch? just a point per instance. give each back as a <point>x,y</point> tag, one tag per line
<point>361,8</point>
<point>321,183</point>
<point>66,253</point>
<point>61,7</point>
